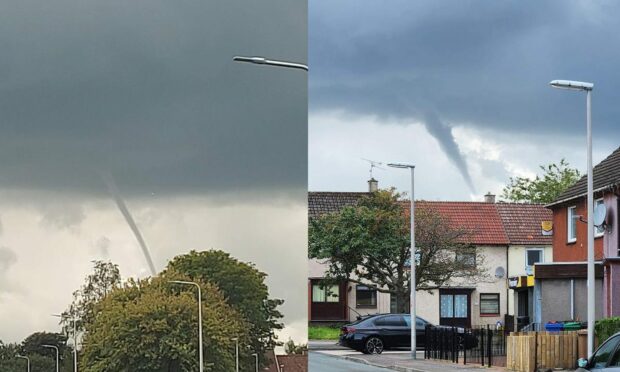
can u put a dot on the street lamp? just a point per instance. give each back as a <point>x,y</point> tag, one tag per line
<point>255,355</point>
<point>200,356</point>
<point>412,261</point>
<point>27,359</point>
<point>587,87</point>
<point>56,348</point>
<point>74,341</point>
<point>271,62</point>
<point>236,339</point>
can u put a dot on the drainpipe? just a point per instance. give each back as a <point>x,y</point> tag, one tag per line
<point>572,299</point>
<point>507,288</point>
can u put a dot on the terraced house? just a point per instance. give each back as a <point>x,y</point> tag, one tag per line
<point>509,236</point>
<point>560,288</point>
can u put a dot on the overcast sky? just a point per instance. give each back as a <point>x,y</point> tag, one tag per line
<point>206,152</point>
<point>460,88</point>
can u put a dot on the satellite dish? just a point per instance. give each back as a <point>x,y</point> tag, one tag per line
<point>600,212</point>
<point>500,272</point>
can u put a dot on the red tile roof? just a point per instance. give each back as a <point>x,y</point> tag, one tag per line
<point>480,219</point>
<point>522,222</point>
<point>488,223</point>
<point>293,362</point>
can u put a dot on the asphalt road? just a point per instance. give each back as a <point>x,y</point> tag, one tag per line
<point>325,363</point>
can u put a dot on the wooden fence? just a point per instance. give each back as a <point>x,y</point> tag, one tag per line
<point>526,352</point>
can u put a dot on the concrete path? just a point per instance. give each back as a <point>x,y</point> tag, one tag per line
<point>398,361</point>
<point>319,362</point>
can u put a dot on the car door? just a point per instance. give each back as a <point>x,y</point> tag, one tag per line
<point>603,355</point>
<point>614,363</point>
<point>393,329</point>
<point>420,331</point>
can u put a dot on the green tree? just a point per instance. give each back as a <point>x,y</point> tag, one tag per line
<point>291,348</point>
<point>105,277</point>
<point>368,243</point>
<point>544,188</point>
<point>244,287</point>
<point>41,359</point>
<point>151,325</point>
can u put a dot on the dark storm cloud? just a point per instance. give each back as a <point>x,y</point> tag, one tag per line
<point>480,63</point>
<point>147,91</point>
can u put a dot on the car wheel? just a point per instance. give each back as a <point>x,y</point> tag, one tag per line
<point>374,345</point>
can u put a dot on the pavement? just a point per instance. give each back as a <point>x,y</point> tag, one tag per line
<point>326,356</point>
<point>324,363</point>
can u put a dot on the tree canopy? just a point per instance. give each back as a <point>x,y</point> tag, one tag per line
<point>368,243</point>
<point>152,325</point>
<point>105,277</point>
<point>544,188</point>
<point>41,359</point>
<point>244,287</point>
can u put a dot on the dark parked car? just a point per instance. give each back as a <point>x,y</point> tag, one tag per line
<point>605,358</point>
<point>375,333</point>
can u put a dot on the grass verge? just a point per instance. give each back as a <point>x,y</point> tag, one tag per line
<point>323,333</point>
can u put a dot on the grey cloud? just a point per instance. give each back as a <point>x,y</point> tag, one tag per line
<point>61,214</point>
<point>147,89</point>
<point>485,64</point>
<point>7,259</point>
<point>103,247</point>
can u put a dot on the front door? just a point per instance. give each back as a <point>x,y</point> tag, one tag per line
<point>454,307</point>
<point>328,301</point>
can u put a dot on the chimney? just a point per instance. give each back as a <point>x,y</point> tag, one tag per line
<point>489,198</point>
<point>373,185</point>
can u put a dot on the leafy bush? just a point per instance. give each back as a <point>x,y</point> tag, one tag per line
<point>605,328</point>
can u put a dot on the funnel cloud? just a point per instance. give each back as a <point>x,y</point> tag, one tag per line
<point>122,207</point>
<point>442,132</point>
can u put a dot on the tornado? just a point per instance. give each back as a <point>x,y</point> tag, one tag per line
<point>122,207</point>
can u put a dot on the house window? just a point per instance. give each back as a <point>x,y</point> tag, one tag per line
<point>489,303</point>
<point>599,230</point>
<point>365,296</point>
<point>533,256</point>
<point>453,306</point>
<point>467,259</point>
<point>572,224</point>
<point>325,293</point>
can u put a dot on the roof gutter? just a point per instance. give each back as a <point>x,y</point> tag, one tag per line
<point>561,201</point>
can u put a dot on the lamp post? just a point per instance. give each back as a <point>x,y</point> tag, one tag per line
<point>200,355</point>
<point>236,339</point>
<point>56,348</point>
<point>74,341</point>
<point>255,355</point>
<point>587,87</point>
<point>271,62</point>
<point>412,260</point>
<point>27,359</point>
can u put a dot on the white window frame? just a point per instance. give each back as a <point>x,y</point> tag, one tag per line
<point>598,234</point>
<point>569,228</point>
<point>542,256</point>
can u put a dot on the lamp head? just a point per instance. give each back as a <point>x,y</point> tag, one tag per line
<point>256,60</point>
<point>572,85</point>
<point>400,165</point>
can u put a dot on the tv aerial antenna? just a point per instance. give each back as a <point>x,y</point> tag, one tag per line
<point>373,164</point>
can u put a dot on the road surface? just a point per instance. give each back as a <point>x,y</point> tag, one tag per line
<point>326,363</point>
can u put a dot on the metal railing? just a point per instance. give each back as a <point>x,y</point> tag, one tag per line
<point>484,346</point>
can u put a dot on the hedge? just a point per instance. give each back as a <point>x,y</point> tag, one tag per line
<point>605,328</point>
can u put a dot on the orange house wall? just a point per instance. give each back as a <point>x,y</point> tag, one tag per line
<point>577,251</point>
